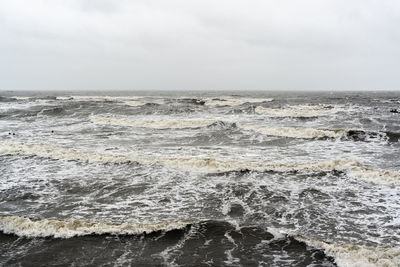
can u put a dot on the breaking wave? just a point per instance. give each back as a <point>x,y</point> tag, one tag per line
<point>233,101</point>
<point>136,103</point>
<point>356,255</point>
<point>22,97</point>
<point>207,165</point>
<point>309,107</point>
<point>344,254</point>
<point>99,98</point>
<point>295,112</point>
<point>308,133</point>
<point>27,227</point>
<point>294,132</point>
<point>158,124</point>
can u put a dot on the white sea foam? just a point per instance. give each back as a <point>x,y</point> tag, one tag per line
<point>207,165</point>
<point>22,97</point>
<point>295,132</point>
<point>308,107</point>
<point>57,153</point>
<point>304,113</point>
<point>135,103</point>
<point>230,101</point>
<point>376,175</point>
<point>26,227</point>
<point>103,98</point>
<point>350,255</point>
<point>33,99</point>
<point>158,124</point>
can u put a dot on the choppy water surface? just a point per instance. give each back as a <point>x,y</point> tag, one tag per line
<point>200,179</point>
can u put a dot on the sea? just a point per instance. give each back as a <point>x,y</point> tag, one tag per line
<point>199,178</point>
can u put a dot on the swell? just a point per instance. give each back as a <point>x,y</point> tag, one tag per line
<point>7,99</point>
<point>309,133</point>
<point>295,112</point>
<point>138,103</point>
<point>157,124</point>
<point>99,98</point>
<point>48,109</point>
<point>343,254</point>
<point>206,165</point>
<point>356,255</point>
<point>233,101</point>
<point>27,227</point>
<point>295,132</point>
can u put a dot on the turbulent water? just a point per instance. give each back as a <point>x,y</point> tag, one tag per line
<point>200,179</point>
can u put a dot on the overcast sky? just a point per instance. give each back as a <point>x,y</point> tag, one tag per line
<point>201,45</point>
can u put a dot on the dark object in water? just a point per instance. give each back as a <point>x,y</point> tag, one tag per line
<point>393,110</point>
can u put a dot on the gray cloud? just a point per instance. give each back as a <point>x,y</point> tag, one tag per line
<point>227,44</point>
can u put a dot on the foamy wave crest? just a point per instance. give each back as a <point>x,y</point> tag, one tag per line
<point>135,103</point>
<point>207,165</point>
<point>26,227</point>
<point>376,175</point>
<point>234,101</point>
<point>299,113</point>
<point>102,98</point>
<point>299,132</point>
<point>294,132</point>
<point>158,124</point>
<point>34,99</point>
<point>14,148</point>
<point>22,97</point>
<point>308,107</point>
<point>351,255</point>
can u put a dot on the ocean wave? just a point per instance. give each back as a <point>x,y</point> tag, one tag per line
<point>54,111</point>
<point>98,98</point>
<point>295,132</point>
<point>352,255</point>
<point>136,103</point>
<point>157,124</point>
<point>22,97</point>
<point>344,254</point>
<point>207,165</point>
<point>35,99</point>
<point>296,112</point>
<point>308,133</point>
<point>233,101</point>
<point>193,101</point>
<point>27,227</point>
<point>16,148</point>
<point>7,99</point>
<point>309,107</point>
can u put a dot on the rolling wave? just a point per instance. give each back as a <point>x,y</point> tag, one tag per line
<point>157,124</point>
<point>27,227</point>
<point>99,98</point>
<point>295,132</point>
<point>356,255</point>
<point>207,165</point>
<point>309,107</point>
<point>343,254</point>
<point>309,133</point>
<point>233,101</point>
<point>136,103</point>
<point>296,112</point>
